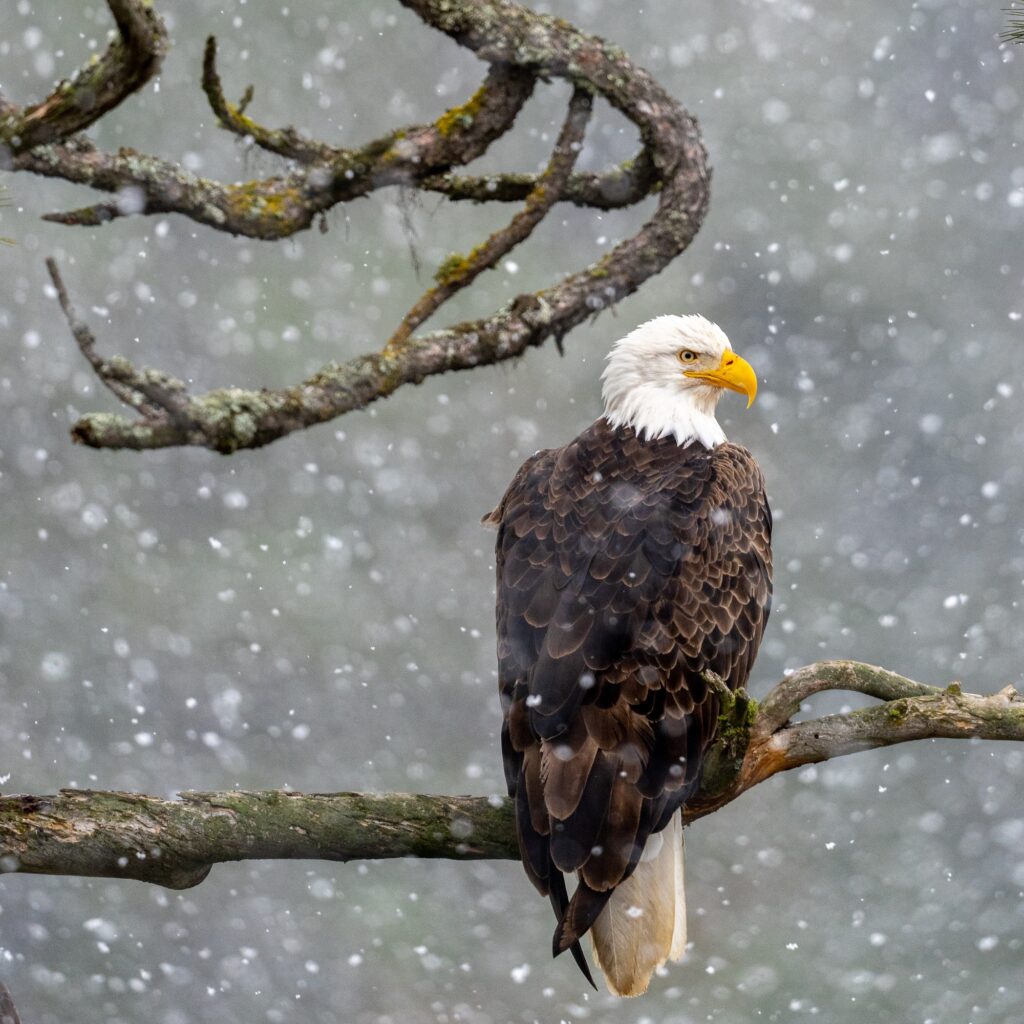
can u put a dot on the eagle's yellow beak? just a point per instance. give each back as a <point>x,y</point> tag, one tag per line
<point>733,372</point>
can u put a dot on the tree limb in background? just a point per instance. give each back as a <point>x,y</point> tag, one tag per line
<point>101,84</point>
<point>279,206</point>
<point>175,842</point>
<point>151,394</point>
<point>522,48</point>
<point>460,272</point>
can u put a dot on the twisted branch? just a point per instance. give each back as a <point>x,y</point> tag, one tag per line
<point>461,272</point>
<point>175,842</point>
<point>287,142</point>
<point>281,205</point>
<point>522,48</point>
<point>98,86</point>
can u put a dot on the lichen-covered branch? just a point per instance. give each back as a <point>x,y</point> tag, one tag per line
<point>175,842</point>
<point>522,48</point>
<point>279,206</point>
<point>759,740</point>
<point>458,271</point>
<point>130,61</point>
<point>621,186</point>
<point>287,142</point>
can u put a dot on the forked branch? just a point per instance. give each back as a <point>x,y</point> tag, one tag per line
<point>461,272</point>
<point>521,48</point>
<point>175,842</point>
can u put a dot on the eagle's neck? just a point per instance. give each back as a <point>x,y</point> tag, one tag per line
<point>655,411</point>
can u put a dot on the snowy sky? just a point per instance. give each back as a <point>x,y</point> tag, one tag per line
<point>318,614</point>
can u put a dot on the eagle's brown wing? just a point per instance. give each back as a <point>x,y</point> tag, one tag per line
<point>625,569</point>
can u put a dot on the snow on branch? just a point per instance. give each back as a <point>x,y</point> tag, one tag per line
<point>174,843</point>
<point>522,49</point>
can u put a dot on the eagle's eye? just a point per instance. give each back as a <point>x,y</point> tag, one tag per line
<point>687,356</point>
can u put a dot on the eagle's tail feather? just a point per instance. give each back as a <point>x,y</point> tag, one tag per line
<point>575,921</point>
<point>644,922</point>
<point>559,901</point>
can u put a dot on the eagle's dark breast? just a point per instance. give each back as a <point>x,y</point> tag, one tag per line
<point>625,569</point>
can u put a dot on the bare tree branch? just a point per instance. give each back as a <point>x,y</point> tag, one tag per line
<point>287,142</point>
<point>521,47</point>
<point>759,740</point>
<point>159,398</point>
<point>96,87</point>
<point>621,186</point>
<point>279,206</point>
<point>175,842</point>
<point>460,272</point>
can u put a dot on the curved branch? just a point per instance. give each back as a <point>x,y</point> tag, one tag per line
<point>460,272</point>
<point>96,87</point>
<point>757,741</point>
<point>784,701</point>
<point>175,842</point>
<point>146,393</point>
<point>287,142</point>
<point>520,45</point>
<point>279,206</point>
<point>402,156</point>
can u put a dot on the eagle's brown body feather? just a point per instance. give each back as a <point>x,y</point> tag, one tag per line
<point>625,568</point>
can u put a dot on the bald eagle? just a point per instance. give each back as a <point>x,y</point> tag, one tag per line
<point>629,562</point>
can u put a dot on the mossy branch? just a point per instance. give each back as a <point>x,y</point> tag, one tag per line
<point>522,48</point>
<point>287,142</point>
<point>610,190</point>
<point>101,84</point>
<point>281,205</point>
<point>461,272</point>
<point>174,843</point>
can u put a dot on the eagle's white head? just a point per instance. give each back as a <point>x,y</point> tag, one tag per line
<point>667,376</point>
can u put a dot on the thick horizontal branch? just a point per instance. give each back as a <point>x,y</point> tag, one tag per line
<point>175,842</point>
<point>130,61</point>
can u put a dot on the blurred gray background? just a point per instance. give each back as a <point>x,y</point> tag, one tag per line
<point>318,614</point>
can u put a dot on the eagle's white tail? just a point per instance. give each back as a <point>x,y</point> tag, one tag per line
<point>644,923</point>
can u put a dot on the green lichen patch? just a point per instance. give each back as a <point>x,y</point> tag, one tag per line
<point>462,116</point>
<point>452,267</point>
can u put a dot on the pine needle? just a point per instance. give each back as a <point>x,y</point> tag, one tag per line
<point>1014,30</point>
